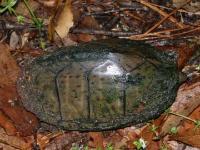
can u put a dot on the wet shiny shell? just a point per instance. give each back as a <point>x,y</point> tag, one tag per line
<point>100,85</point>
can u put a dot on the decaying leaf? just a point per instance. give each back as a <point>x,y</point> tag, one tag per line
<point>96,140</point>
<point>48,3</point>
<point>65,20</point>
<point>175,145</point>
<point>87,22</point>
<point>22,9</point>
<point>151,132</point>
<point>129,135</point>
<point>189,133</point>
<point>187,100</point>
<point>190,140</point>
<point>14,41</point>
<point>8,68</point>
<point>191,6</point>
<point>7,124</point>
<point>61,140</point>
<point>185,52</point>
<point>14,142</point>
<point>24,121</point>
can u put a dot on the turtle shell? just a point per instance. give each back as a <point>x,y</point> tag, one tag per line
<point>101,85</point>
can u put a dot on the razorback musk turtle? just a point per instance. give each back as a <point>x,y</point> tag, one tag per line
<point>101,85</point>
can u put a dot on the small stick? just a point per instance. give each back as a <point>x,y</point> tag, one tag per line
<point>103,32</point>
<point>162,20</point>
<point>171,18</point>
<point>164,34</point>
<point>185,117</point>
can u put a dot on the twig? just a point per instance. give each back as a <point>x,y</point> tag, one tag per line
<point>102,32</point>
<point>171,18</point>
<point>162,20</point>
<point>165,34</point>
<point>108,11</point>
<point>186,32</point>
<point>169,33</point>
<point>185,117</point>
<point>8,25</point>
<point>180,10</point>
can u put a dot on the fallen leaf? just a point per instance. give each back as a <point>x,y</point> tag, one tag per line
<point>9,70</point>
<point>96,140</point>
<point>189,139</point>
<point>24,121</point>
<point>185,53</point>
<point>191,6</point>
<point>7,124</point>
<point>22,9</point>
<point>31,51</point>
<point>130,135</point>
<point>86,22</point>
<point>149,134</point>
<point>65,20</point>
<point>120,139</point>
<point>67,41</point>
<point>61,140</point>
<point>48,3</point>
<point>187,100</point>
<point>14,142</point>
<point>175,145</point>
<point>187,132</point>
<point>82,37</point>
<point>14,41</point>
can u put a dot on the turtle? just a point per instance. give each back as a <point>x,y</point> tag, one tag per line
<point>100,85</point>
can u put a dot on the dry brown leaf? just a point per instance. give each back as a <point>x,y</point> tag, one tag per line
<point>175,145</point>
<point>129,136</point>
<point>184,54</point>
<point>48,3</point>
<point>120,139</point>
<point>61,140</point>
<point>189,139</point>
<point>187,125</point>
<point>7,124</point>
<point>25,122</point>
<point>188,98</point>
<point>22,9</point>
<point>187,132</point>
<point>8,68</point>
<point>96,140</point>
<point>14,142</point>
<point>86,22</point>
<point>148,135</point>
<point>191,6</point>
<point>65,20</point>
<point>32,52</point>
<point>83,37</point>
<point>14,41</point>
<point>112,138</point>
